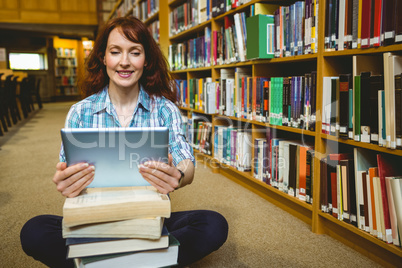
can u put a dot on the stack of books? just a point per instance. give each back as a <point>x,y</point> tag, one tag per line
<point>116,227</point>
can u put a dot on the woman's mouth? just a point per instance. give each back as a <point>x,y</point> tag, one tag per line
<point>125,74</point>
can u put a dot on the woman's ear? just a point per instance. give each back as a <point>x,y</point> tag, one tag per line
<point>104,60</point>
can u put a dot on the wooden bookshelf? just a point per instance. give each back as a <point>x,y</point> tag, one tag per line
<point>325,64</point>
<point>66,72</point>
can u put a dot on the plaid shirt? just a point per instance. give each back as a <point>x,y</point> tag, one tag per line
<point>97,111</point>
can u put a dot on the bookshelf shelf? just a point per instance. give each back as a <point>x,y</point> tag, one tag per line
<point>363,51</point>
<point>116,6</point>
<point>291,204</point>
<point>243,7</point>
<point>65,71</point>
<point>301,58</point>
<point>185,108</point>
<point>152,18</point>
<point>201,69</point>
<point>190,32</point>
<point>234,65</point>
<point>129,12</point>
<point>308,57</point>
<point>175,3</point>
<point>370,146</point>
<point>249,176</point>
<point>393,249</point>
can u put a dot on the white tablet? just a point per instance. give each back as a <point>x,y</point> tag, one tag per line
<point>116,152</point>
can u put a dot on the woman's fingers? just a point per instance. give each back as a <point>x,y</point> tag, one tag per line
<point>159,184</point>
<point>160,175</point>
<point>70,181</point>
<point>79,185</point>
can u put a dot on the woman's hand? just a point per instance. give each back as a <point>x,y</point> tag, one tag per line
<point>70,181</point>
<point>164,177</point>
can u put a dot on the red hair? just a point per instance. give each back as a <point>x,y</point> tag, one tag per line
<point>156,78</point>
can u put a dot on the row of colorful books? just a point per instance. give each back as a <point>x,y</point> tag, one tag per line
<point>271,31</point>
<point>66,90</point>
<point>154,29</point>
<point>365,106</point>
<point>119,227</point>
<point>65,52</point>
<point>226,45</point>
<point>284,164</point>
<point>65,71</point>
<point>285,101</point>
<point>194,12</point>
<point>364,189</point>
<point>296,28</point>
<point>146,9</point>
<point>193,53</point>
<point>233,146</point>
<point>188,15</point>
<point>198,132</point>
<point>65,80</point>
<point>221,6</point>
<point>124,7</point>
<point>66,62</point>
<point>287,165</point>
<point>354,24</point>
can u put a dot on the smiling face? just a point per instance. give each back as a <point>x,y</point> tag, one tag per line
<point>124,60</point>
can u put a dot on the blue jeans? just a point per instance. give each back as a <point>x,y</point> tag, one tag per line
<point>199,232</point>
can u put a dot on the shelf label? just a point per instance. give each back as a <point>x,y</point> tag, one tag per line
<point>393,145</point>
<point>365,138</point>
<point>398,142</point>
<point>374,137</point>
<point>389,35</point>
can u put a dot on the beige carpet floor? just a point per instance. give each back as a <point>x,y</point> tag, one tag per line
<point>260,234</point>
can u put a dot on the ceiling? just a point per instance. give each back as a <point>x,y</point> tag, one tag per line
<point>61,30</point>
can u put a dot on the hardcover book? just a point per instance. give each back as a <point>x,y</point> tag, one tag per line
<point>389,21</point>
<point>376,85</point>
<point>363,160</point>
<point>373,173</point>
<point>345,83</point>
<point>111,204</point>
<point>364,107</point>
<point>392,211</point>
<point>387,166</point>
<point>366,23</point>
<point>257,37</point>
<point>164,257</point>
<point>149,228</point>
<point>83,247</point>
<point>396,188</point>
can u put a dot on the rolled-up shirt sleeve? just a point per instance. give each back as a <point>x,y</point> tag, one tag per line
<point>72,121</point>
<point>179,148</point>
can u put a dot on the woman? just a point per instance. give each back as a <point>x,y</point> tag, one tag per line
<point>129,85</point>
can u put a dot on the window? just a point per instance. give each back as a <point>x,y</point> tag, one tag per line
<point>27,61</point>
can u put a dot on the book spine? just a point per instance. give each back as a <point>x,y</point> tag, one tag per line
<point>344,105</point>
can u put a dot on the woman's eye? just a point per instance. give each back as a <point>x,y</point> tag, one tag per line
<point>136,53</point>
<point>114,52</point>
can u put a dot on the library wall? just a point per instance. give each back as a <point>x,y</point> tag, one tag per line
<point>49,11</point>
<point>28,43</point>
<point>18,42</point>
